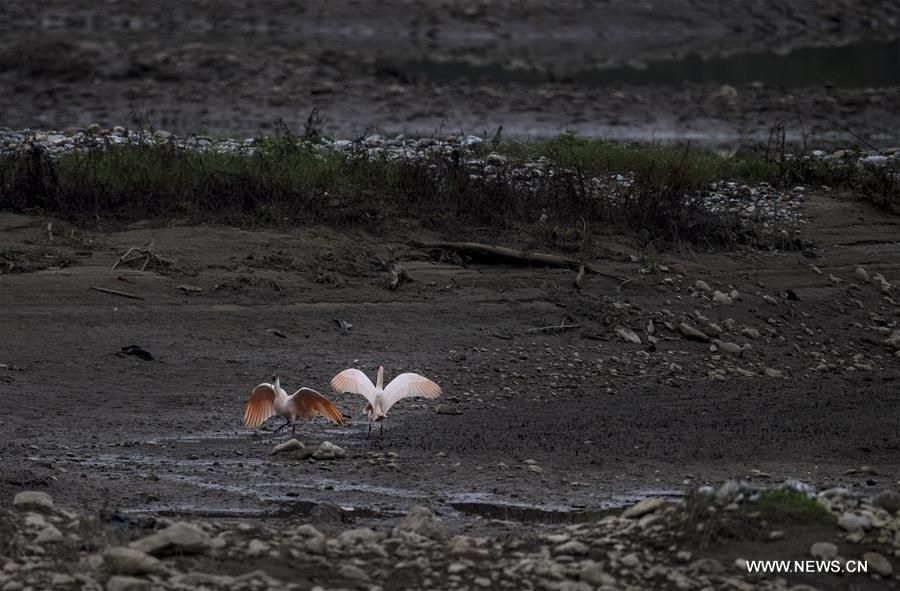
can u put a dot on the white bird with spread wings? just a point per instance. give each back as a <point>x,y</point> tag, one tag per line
<point>268,400</point>
<point>379,398</point>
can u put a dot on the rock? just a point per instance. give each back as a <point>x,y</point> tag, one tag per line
<point>732,348</point>
<point>823,550</point>
<point>62,580</point>
<point>36,500</point>
<point>350,571</point>
<point>852,522</point>
<point>702,286</point>
<point>128,584</point>
<point>447,409</point>
<point>773,373</point>
<point>178,538</point>
<point>721,298</point>
<point>572,547</point>
<point>120,560</point>
<point>692,333</point>
<point>287,446</point>
<point>49,535</point>
<point>861,275</point>
<point>628,335</point>
<point>593,573</point>
<point>420,520</point>
<point>878,563</point>
<point>644,507</point>
<point>355,537</point>
<point>711,329</point>
<point>893,340</point>
<point>770,300</point>
<point>328,451</point>
<point>456,568</point>
<point>630,560</point>
<point>257,548</point>
<point>706,566</point>
<point>888,500</point>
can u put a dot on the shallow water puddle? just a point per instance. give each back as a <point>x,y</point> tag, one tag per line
<point>851,66</point>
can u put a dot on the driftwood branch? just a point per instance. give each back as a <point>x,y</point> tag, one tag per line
<point>134,254</point>
<point>116,292</point>
<point>555,327</point>
<point>512,255</point>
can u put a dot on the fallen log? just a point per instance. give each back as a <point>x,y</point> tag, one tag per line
<point>477,250</point>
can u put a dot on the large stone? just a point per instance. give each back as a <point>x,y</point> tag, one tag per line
<point>893,340</point>
<point>852,522</point>
<point>878,563</point>
<point>120,560</point>
<point>420,520</point>
<point>353,572</point>
<point>861,275</point>
<point>119,583</point>
<point>287,446</point>
<point>644,507</point>
<point>888,500</point>
<point>178,538</point>
<point>49,535</point>
<point>328,451</point>
<point>33,500</point>
<point>823,550</point>
<point>573,547</point>
<point>628,335</point>
<point>692,333</point>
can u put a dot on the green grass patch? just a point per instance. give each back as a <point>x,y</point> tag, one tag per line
<point>781,505</point>
<point>289,181</point>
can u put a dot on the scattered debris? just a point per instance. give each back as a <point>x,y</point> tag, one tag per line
<point>116,292</point>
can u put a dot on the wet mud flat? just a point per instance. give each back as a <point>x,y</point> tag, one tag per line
<point>717,72</point>
<point>537,426</point>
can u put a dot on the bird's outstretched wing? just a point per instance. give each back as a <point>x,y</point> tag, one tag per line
<point>260,407</point>
<point>355,382</point>
<point>306,402</point>
<point>408,385</point>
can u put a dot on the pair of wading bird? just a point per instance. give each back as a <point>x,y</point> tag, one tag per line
<point>269,400</point>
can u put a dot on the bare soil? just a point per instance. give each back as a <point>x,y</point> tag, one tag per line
<point>606,422</point>
<point>238,68</point>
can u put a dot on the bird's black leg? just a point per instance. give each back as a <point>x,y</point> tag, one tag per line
<point>381,430</point>
<point>370,430</point>
<point>293,428</point>
<point>278,430</point>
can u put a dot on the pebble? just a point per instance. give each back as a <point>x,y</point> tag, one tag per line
<point>861,275</point>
